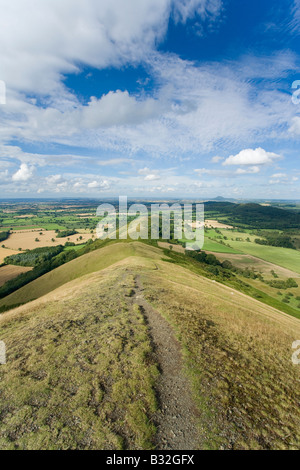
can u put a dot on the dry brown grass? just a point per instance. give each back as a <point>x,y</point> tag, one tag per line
<point>79,371</point>
<point>168,246</point>
<point>216,224</point>
<point>238,353</point>
<point>10,272</point>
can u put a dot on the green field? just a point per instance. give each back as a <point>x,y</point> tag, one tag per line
<point>211,245</point>
<point>76,247</point>
<point>284,257</point>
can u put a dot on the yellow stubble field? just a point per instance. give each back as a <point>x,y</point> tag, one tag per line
<point>27,240</point>
<point>5,252</point>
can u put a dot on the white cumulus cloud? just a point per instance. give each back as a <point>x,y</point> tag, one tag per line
<point>41,40</point>
<point>55,179</point>
<point>258,156</point>
<point>119,108</point>
<point>24,173</point>
<point>217,159</point>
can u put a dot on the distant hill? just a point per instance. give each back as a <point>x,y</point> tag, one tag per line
<point>223,199</point>
<point>256,216</point>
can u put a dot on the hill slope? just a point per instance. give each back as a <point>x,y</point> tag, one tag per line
<point>90,365</point>
<point>87,264</point>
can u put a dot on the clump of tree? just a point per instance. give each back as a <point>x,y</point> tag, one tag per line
<point>62,258</point>
<point>65,233</point>
<point>276,239</point>
<point>4,236</point>
<point>279,284</point>
<point>34,257</point>
<point>203,257</point>
<point>247,273</point>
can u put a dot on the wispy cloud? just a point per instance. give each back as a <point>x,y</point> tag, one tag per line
<point>295,23</point>
<point>205,9</point>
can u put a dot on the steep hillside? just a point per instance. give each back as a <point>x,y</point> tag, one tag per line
<point>142,353</point>
<point>87,264</point>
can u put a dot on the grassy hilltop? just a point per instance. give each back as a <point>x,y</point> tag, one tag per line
<point>90,363</point>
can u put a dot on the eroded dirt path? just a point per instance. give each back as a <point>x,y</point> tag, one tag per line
<point>176,418</point>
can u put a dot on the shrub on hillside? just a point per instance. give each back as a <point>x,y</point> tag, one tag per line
<point>290,283</point>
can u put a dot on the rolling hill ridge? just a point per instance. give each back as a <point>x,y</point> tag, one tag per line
<point>91,362</point>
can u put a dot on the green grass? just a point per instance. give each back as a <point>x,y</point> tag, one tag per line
<point>21,227</point>
<point>211,245</point>
<point>48,226</point>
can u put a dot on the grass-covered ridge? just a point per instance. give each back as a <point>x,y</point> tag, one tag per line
<point>80,371</point>
<point>100,255</point>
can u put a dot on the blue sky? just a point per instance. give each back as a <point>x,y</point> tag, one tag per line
<point>150,98</point>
